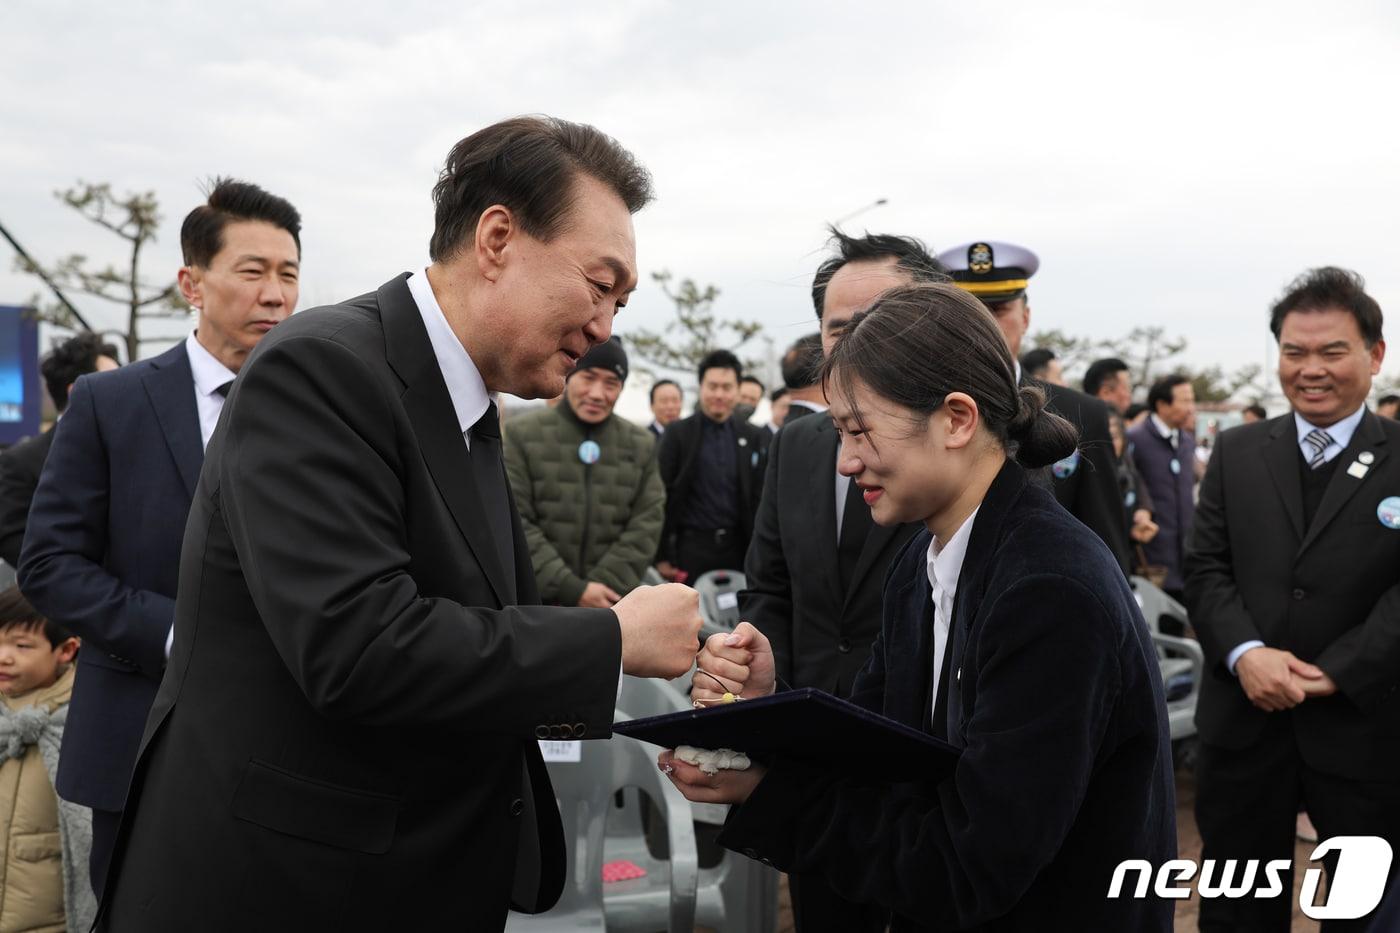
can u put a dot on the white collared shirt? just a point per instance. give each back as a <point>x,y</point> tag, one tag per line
<point>1169,433</point>
<point>464,383</point>
<point>209,375</point>
<point>944,567</point>
<point>1340,433</point>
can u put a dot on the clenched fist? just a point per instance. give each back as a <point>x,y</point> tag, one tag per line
<point>739,662</point>
<point>660,630</point>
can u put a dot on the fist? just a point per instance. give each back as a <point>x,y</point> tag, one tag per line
<point>739,662</point>
<point>660,630</point>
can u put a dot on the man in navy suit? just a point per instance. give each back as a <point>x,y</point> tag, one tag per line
<point>102,552</point>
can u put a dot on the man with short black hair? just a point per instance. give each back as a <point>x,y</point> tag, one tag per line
<point>802,365</point>
<point>22,464</point>
<point>1110,381</point>
<point>346,737</point>
<point>1041,363</point>
<point>779,403</point>
<point>665,406</point>
<point>1293,586</point>
<point>751,390</point>
<point>712,465</point>
<point>1388,406</point>
<point>1255,413</point>
<point>1164,453</point>
<point>585,481</point>
<point>816,567</point>
<point>101,553</point>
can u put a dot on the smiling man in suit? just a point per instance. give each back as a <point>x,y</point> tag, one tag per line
<point>1293,584</point>
<point>817,562</point>
<point>346,738</point>
<point>102,550</point>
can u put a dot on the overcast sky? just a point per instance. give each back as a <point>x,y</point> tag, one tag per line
<point>1172,163</point>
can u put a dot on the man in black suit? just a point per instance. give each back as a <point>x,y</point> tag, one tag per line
<point>712,465</point>
<point>346,735</point>
<point>21,465</point>
<point>817,562</point>
<point>1086,482</point>
<point>1293,585</point>
<point>102,550</point>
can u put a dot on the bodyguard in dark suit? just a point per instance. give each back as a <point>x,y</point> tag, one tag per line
<point>665,406</point>
<point>1008,630</point>
<point>712,464</point>
<point>1293,585</point>
<point>1164,452</point>
<point>345,738</point>
<point>21,465</point>
<point>1085,482</point>
<point>102,551</point>
<point>817,562</point>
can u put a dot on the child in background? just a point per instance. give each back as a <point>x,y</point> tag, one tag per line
<point>44,884</point>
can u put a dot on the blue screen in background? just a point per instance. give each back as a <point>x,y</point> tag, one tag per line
<point>20,392</point>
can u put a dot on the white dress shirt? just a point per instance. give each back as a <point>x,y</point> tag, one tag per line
<point>1341,434</point>
<point>209,376</point>
<point>465,386</point>
<point>944,567</point>
<point>1162,428</point>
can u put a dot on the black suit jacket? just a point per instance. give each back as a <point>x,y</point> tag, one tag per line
<point>1329,593</point>
<point>20,467</point>
<point>102,553</point>
<point>1054,697</point>
<point>346,736</point>
<point>1090,489</point>
<point>821,635</point>
<point>679,456</point>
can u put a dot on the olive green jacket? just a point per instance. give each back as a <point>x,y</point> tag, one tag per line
<point>584,523</point>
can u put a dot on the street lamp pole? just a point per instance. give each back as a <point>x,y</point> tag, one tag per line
<point>878,202</point>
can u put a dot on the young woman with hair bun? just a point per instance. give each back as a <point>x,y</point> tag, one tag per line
<point>1008,630</point>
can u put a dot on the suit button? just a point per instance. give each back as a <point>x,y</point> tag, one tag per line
<point>1299,594</point>
<point>555,732</point>
<point>542,732</point>
<point>844,646</point>
<point>517,807</point>
<point>580,730</point>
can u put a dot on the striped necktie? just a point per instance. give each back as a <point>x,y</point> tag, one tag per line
<point>1319,440</point>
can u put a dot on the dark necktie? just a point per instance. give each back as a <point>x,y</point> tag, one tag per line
<point>490,474</point>
<point>223,389</point>
<point>855,526</point>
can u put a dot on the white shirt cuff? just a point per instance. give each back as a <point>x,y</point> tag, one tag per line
<point>169,641</point>
<point>1234,656</point>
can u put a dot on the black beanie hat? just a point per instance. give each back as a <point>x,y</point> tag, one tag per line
<point>607,355</point>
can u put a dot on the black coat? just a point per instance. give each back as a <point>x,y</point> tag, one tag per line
<point>821,635</point>
<point>1088,487</point>
<point>346,736</point>
<point>679,462</point>
<point>20,467</point>
<point>1329,593</point>
<point>1055,699</point>
<point>102,555</point>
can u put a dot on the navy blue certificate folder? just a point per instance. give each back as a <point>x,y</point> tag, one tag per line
<point>806,725</point>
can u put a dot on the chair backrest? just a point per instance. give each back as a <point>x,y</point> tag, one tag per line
<point>719,600</point>
<point>1156,605</point>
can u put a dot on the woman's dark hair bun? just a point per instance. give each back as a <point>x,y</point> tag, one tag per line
<point>1041,436</point>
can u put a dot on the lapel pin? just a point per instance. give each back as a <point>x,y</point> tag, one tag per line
<point>743,442</point>
<point>1366,457</point>
<point>959,677</point>
<point>1357,469</point>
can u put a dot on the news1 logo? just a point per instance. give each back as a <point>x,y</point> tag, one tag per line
<point>1356,887</point>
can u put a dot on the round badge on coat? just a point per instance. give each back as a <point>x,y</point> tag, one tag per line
<point>1130,499</point>
<point>589,452</point>
<point>1065,468</point>
<point>1389,512</point>
<point>1176,466</point>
